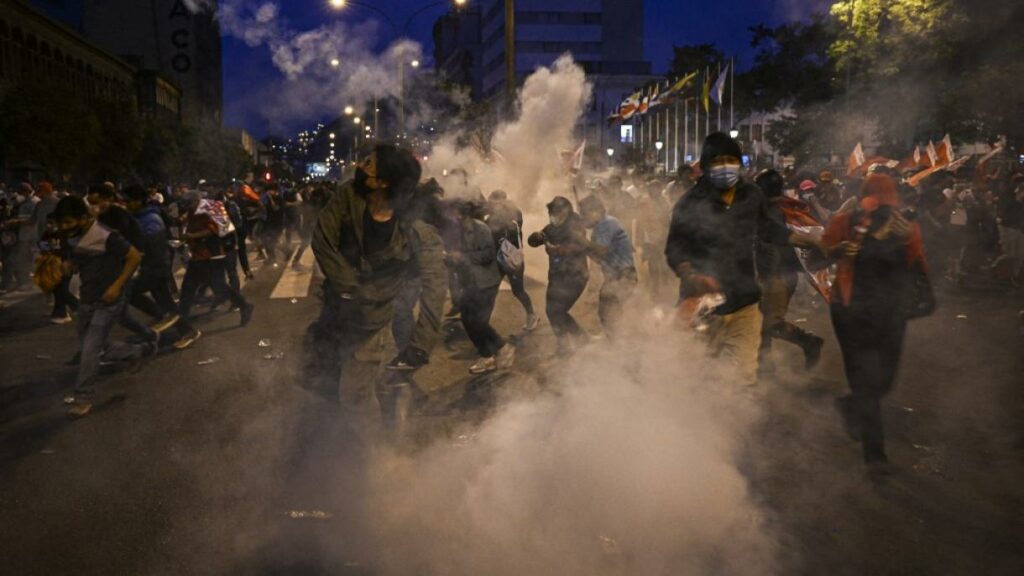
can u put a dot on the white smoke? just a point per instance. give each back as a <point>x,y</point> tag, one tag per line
<point>527,165</point>
<point>629,465</point>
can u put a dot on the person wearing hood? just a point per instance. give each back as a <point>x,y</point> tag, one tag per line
<point>475,261</point>
<point>155,278</point>
<point>879,252</point>
<point>711,245</point>
<point>565,240</point>
<point>368,244</point>
<point>778,269</point>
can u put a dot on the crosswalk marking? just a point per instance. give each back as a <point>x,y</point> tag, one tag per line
<point>295,283</point>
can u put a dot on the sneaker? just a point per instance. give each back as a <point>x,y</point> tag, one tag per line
<point>186,341</point>
<point>60,319</point>
<point>484,366</point>
<point>812,352</point>
<point>408,361</point>
<point>166,322</point>
<point>79,409</point>
<point>505,357</point>
<point>247,313</point>
<point>532,322</point>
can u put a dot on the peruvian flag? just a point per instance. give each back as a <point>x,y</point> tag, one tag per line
<point>945,152</point>
<point>856,160</point>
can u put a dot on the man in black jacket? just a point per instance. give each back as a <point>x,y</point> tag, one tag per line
<point>565,240</point>
<point>711,246</point>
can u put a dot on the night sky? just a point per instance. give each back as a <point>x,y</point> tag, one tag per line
<point>669,22</point>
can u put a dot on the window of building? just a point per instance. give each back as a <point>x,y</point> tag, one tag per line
<point>626,134</point>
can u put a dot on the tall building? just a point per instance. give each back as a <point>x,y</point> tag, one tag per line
<point>606,37</point>
<point>162,36</point>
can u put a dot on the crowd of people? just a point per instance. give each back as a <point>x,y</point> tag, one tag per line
<point>394,249</point>
<point>103,255</point>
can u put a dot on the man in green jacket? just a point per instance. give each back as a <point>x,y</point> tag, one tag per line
<point>368,242</point>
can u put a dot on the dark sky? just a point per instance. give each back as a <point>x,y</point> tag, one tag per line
<point>668,22</point>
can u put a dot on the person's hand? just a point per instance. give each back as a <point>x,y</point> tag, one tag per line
<point>848,248</point>
<point>111,294</point>
<point>536,239</point>
<point>694,284</point>
<point>901,227</point>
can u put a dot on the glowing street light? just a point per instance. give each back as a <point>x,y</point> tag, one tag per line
<point>415,63</point>
<point>357,120</point>
<point>659,145</point>
<point>734,133</point>
<point>335,62</point>
<point>337,4</point>
<point>332,135</point>
<point>349,110</point>
<point>610,152</point>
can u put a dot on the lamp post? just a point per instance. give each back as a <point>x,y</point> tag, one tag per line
<point>658,146</point>
<point>734,133</point>
<point>611,153</point>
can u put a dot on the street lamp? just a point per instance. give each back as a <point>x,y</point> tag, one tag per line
<point>337,4</point>
<point>357,120</point>
<point>734,133</point>
<point>610,152</point>
<point>659,145</point>
<point>335,62</point>
<point>415,63</point>
<point>349,110</point>
<point>332,135</point>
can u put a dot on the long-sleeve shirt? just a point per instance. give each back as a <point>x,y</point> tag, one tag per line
<point>718,239</point>
<point>479,265</point>
<point>619,259</point>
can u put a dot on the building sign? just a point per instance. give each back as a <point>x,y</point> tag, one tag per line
<point>181,34</point>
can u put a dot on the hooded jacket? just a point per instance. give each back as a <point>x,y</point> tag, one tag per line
<point>374,280</point>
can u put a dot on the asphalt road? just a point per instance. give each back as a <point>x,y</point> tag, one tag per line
<point>230,467</point>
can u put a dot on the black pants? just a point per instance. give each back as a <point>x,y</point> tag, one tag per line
<point>201,273</point>
<point>562,295</point>
<point>331,341</point>
<point>871,340</point>
<point>518,282</point>
<point>243,253</point>
<point>231,269</point>
<point>476,306</point>
<point>159,302</point>
<point>63,300</point>
<point>270,236</point>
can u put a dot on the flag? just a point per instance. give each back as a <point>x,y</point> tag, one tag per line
<point>719,90</point>
<point>933,155</point>
<point>629,106</point>
<point>679,86</point>
<point>573,161</point>
<point>856,160</point>
<point>656,98</point>
<point>917,178</point>
<point>645,103</point>
<point>705,97</point>
<point>945,151</point>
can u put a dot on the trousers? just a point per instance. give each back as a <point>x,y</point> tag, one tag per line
<point>476,307</point>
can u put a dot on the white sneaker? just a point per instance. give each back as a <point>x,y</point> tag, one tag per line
<point>186,341</point>
<point>505,357</point>
<point>484,366</point>
<point>60,320</point>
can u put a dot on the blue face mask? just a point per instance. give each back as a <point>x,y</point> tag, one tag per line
<point>725,176</point>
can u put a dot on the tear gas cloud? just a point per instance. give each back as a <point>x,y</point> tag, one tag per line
<point>627,464</point>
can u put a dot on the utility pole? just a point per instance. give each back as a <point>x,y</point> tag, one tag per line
<point>510,52</point>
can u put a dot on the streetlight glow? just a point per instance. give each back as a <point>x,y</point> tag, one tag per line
<point>659,145</point>
<point>611,152</point>
<point>734,133</point>
<point>349,110</point>
<point>337,4</point>
<point>332,135</point>
<point>357,120</point>
<point>335,62</point>
<point>415,63</point>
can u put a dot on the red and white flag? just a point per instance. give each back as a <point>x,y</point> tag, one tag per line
<point>856,160</point>
<point>945,152</point>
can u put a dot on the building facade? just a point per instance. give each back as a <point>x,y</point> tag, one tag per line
<point>162,36</point>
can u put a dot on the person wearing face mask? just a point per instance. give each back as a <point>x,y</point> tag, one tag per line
<point>711,245</point>
<point>369,242</point>
<point>565,240</point>
<point>104,261</point>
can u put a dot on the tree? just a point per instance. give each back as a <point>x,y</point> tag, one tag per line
<point>694,57</point>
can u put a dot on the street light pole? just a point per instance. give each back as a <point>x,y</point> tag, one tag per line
<point>510,51</point>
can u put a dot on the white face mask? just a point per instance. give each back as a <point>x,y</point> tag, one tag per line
<point>725,176</point>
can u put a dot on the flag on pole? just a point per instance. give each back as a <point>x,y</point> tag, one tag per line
<point>705,97</point>
<point>573,161</point>
<point>945,151</point>
<point>645,103</point>
<point>933,155</point>
<point>856,160</point>
<point>677,88</point>
<point>629,106</point>
<point>718,92</point>
<point>911,161</point>
<point>656,98</point>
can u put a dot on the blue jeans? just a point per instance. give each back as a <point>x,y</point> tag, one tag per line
<point>93,325</point>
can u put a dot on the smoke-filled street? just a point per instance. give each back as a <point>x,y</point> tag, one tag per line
<point>511,287</point>
<point>196,469</point>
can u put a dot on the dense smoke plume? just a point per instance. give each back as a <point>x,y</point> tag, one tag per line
<point>525,160</point>
<point>627,464</point>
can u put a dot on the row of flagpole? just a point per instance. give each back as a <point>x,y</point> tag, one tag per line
<point>654,102</point>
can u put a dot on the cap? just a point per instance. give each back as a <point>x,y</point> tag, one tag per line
<point>807,185</point>
<point>719,144</point>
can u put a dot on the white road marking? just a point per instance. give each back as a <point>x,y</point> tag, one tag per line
<point>295,283</point>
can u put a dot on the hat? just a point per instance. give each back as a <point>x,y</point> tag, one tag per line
<point>825,177</point>
<point>718,144</point>
<point>807,185</point>
<point>559,202</point>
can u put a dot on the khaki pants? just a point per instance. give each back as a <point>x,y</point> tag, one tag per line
<point>735,338</point>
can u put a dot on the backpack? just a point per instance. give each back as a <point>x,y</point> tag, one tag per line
<point>510,257</point>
